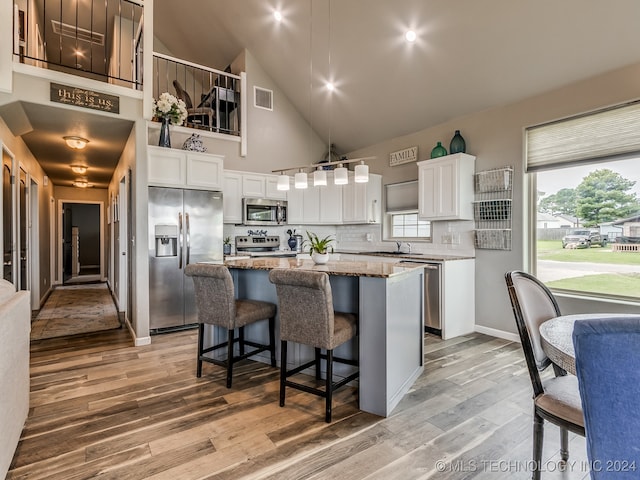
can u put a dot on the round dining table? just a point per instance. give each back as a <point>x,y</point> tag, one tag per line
<point>556,337</point>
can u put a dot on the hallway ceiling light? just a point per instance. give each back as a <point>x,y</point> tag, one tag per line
<point>277,15</point>
<point>76,142</point>
<point>79,169</point>
<point>82,184</point>
<point>410,36</point>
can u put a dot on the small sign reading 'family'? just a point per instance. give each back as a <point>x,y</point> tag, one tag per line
<point>403,156</point>
<point>80,97</point>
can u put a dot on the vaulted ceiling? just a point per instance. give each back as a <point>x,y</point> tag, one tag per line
<point>469,55</point>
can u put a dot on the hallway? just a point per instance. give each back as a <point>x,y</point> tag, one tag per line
<point>76,309</point>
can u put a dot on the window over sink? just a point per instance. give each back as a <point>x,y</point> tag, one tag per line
<point>401,219</point>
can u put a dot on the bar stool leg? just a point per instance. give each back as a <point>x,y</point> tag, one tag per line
<point>318,364</point>
<point>230,358</point>
<point>283,369</point>
<point>200,348</point>
<point>272,340</point>
<point>241,336</point>
<point>329,388</point>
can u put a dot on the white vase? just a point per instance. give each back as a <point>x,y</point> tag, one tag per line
<point>320,258</point>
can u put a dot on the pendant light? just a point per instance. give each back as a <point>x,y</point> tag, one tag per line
<point>340,175</point>
<point>300,179</point>
<point>283,182</point>
<point>362,173</point>
<point>319,177</point>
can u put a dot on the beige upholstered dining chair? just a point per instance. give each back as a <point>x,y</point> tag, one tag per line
<point>307,317</point>
<point>556,399</point>
<point>217,305</point>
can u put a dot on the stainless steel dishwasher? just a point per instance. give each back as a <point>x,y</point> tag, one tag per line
<point>432,299</point>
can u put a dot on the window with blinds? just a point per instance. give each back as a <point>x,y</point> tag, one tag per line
<point>401,207</point>
<point>612,133</point>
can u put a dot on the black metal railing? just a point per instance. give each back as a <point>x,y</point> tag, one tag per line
<point>99,39</point>
<point>212,96</point>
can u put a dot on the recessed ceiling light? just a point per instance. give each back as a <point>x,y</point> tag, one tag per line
<point>410,36</point>
<point>76,142</point>
<point>277,15</point>
<point>330,86</point>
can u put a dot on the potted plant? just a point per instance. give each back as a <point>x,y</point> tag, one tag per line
<point>226,246</point>
<point>319,249</point>
<point>293,241</point>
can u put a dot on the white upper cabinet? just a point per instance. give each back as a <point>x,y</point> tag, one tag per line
<point>445,187</point>
<point>232,197</point>
<point>361,201</point>
<point>169,167</point>
<point>256,185</point>
<point>315,205</point>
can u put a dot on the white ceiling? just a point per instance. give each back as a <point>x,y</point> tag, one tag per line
<point>470,55</point>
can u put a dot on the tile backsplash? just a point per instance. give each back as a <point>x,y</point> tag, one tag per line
<point>455,237</point>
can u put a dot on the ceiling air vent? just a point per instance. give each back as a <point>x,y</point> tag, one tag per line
<point>263,98</point>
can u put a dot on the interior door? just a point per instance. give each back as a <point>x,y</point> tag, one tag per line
<point>67,224</point>
<point>23,238</point>
<point>7,217</point>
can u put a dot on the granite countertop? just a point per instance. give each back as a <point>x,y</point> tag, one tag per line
<point>433,257</point>
<point>347,268</point>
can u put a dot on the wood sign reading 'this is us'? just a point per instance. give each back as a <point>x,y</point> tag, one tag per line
<point>80,97</point>
<point>403,156</point>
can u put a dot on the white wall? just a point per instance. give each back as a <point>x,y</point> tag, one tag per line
<point>495,137</point>
<point>45,196</point>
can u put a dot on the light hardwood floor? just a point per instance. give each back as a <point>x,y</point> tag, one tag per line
<point>101,408</point>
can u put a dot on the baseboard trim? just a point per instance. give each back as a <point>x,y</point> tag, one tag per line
<point>514,337</point>
<point>137,341</point>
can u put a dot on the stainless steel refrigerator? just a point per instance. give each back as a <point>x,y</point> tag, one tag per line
<point>185,226</point>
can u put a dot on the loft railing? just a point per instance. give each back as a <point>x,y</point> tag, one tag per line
<point>99,39</point>
<point>212,96</point>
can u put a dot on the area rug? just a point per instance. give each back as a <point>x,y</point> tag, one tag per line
<point>75,309</point>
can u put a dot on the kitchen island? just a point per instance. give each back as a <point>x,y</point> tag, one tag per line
<point>388,300</point>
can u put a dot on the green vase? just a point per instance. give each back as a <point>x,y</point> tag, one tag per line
<point>438,151</point>
<point>457,144</point>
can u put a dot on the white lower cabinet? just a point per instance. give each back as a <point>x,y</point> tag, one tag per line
<point>169,167</point>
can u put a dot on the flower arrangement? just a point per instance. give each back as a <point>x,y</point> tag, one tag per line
<point>168,106</point>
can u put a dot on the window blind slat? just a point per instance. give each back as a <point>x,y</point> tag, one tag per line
<point>607,133</point>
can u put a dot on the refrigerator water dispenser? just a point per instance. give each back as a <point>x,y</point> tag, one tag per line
<point>166,240</point>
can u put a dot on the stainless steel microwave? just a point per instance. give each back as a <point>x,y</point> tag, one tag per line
<point>260,211</point>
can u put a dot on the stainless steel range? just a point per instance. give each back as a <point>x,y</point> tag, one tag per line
<point>261,246</point>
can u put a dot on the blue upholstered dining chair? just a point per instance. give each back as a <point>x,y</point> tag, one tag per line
<point>608,369</point>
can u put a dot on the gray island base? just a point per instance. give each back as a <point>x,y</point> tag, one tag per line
<point>388,300</point>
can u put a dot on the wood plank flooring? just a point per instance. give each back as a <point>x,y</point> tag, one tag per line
<point>101,408</point>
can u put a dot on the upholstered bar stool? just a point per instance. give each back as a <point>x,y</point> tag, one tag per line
<point>307,317</point>
<point>217,305</point>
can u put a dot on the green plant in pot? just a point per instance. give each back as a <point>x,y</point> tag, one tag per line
<point>226,246</point>
<point>319,248</point>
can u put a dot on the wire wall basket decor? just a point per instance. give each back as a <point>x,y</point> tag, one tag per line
<point>492,209</point>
